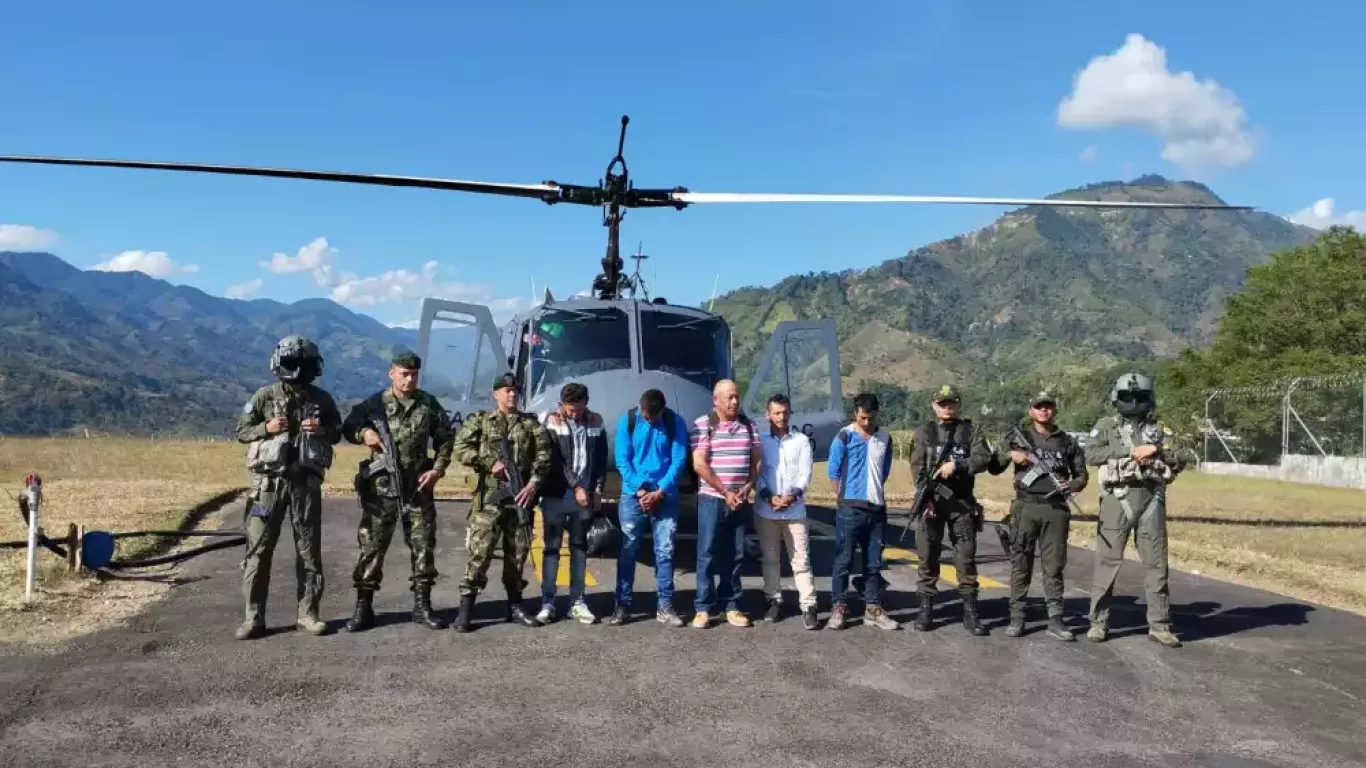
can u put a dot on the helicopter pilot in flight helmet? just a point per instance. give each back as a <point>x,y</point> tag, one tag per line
<point>296,360</point>
<point>1132,395</point>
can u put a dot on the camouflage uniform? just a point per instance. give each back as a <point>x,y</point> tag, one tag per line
<point>287,471</point>
<point>959,515</point>
<point>414,423</point>
<point>477,447</point>
<point>1133,500</point>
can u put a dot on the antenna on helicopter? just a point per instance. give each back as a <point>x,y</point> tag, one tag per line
<point>636,282</point>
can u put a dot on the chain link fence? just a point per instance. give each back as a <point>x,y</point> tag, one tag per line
<point>1306,429</point>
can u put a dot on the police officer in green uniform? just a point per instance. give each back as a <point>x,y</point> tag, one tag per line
<point>958,514</point>
<point>498,513</point>
<point>289,428</point>
<point>1039,514</point>
<point>413,418</point>
<point>1138,457</point>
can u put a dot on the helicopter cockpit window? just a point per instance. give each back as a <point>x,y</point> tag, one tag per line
<point>696,348</point>
<point>576,342</point>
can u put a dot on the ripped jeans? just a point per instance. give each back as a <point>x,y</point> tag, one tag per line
<point>663,524</point>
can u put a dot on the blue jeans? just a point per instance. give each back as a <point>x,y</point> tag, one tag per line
<point>663,525</point>
<point>865,529</point>
<point>558,518</point>
<point>720,553</point>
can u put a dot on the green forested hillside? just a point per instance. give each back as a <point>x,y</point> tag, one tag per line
<point>129,353</point>
<point>1065,296</point>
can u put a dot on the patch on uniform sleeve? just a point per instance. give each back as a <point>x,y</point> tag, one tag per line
<point>247,408</point>
<point>1166,430</point>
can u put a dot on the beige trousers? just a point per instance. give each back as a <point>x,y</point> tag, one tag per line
<point>773,534</point>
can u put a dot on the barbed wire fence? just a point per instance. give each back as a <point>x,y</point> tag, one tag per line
<point>1315,416</point>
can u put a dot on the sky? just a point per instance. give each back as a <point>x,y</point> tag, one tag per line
<point>935,98</point>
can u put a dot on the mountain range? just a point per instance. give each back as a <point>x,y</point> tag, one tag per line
<point>123,351</point>
<point>1041,292</point>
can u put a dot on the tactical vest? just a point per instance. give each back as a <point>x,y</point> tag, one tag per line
<point>1033,480</point>
<point>276,454</point>
<point>963,486</point>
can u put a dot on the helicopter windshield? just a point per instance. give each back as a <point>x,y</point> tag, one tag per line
<point>696,348</point>
<point>567,343</point>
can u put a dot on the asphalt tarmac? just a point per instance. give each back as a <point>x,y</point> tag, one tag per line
<point>1261,681</point>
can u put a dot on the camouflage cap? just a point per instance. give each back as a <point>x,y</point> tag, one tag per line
<point>947,393</point>
<point>405,358</point>
<point>505,380</point>
<point>1041,397</point>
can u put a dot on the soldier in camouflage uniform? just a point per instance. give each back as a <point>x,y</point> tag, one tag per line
<point>414,417</point>
<point>958,515</point>
<point>1039,515</point>
<point>1138,457</point>
<point>501,518</point>
<point>289,427</point>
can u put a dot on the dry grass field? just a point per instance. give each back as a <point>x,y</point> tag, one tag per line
<point>118,484</point>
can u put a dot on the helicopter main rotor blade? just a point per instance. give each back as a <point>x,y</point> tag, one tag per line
<point>744,197</point>
<point>486,187</point>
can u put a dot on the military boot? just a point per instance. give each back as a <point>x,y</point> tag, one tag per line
<point>1164,637</point>
<point>515,612</point>
<point>364,617</point>
<point>1016,628</point>
<point>922,616</point>
<point>462,622</point>
<point>1059,630</point>
<point>422,608</point>
<point>1097,633</point>
<point>970,620</point>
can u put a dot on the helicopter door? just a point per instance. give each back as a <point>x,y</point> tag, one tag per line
<point>802,361</point>
<point>461,354</point>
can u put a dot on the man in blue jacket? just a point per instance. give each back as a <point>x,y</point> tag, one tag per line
<point>651,453</point>
<point>860,463</point>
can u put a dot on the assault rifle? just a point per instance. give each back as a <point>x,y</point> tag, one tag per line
<point>1041,468</point>
<point>387,461</point>
<point>513,487</point>
<point>926,483</point>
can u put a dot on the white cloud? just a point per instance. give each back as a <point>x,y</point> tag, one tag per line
<point>402,286</point>
<point>24,237</point>
<point>243,290</point>
<point>155,263</point>
<point>1199,122</point>
<point>1089,154</point>
<point>316,257</point>
<point>1320,216</point>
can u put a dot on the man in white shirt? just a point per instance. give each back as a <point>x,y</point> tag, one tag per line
<point>780,510</point>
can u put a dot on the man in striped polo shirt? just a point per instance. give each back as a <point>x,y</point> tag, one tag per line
<point>726,454</point>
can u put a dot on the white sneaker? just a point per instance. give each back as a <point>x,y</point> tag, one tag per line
<point>583,613</point>
<point>547,613</point>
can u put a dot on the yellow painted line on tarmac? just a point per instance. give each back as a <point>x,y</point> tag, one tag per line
<point>947,573</point>
<point>538,543</point>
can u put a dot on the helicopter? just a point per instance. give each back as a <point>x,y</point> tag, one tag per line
<point>611,340</point>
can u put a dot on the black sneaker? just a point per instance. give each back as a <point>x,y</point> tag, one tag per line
<point>809,618</point>
<point>775,611</point>
<point>619,616</point>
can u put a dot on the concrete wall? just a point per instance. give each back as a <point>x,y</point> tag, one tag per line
<point>1343,471</point>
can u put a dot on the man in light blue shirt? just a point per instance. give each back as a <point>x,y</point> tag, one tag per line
<point>860,463</point>
<point>651,453</point>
